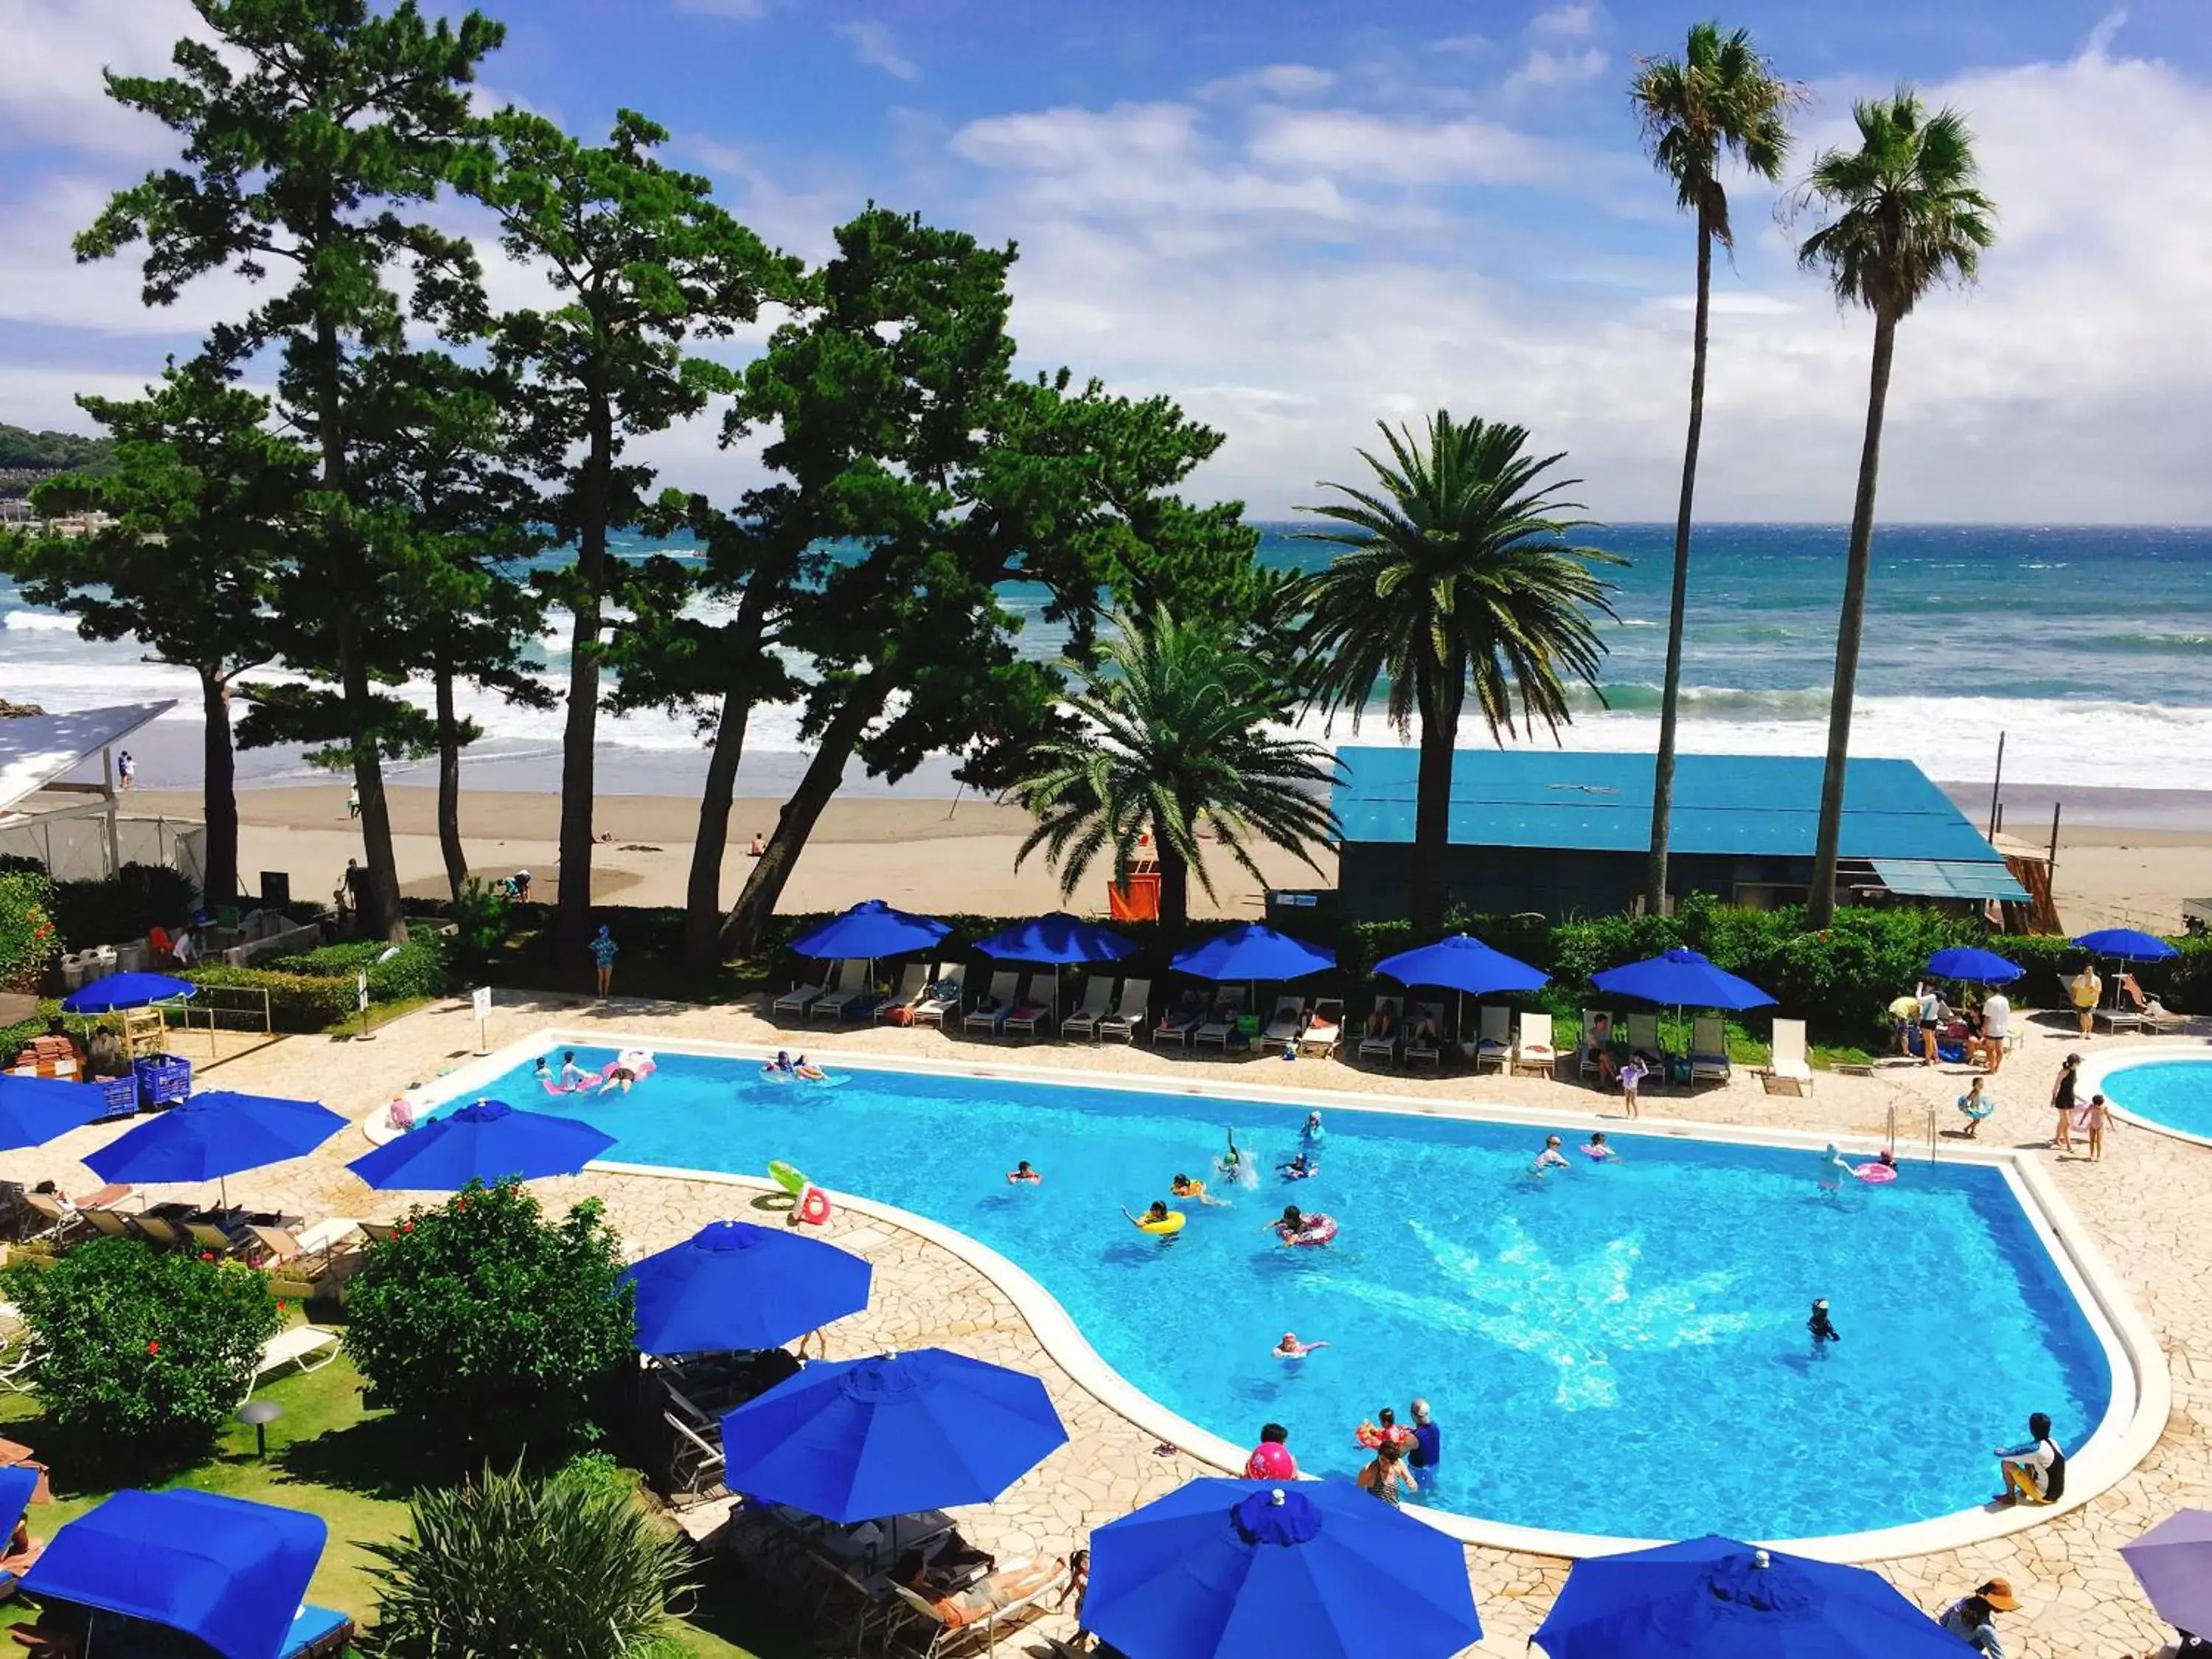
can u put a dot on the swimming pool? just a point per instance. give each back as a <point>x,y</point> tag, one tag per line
<point>1614,1350</point>
<point>2173,1092</point>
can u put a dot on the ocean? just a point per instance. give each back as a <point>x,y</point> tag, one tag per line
<point>2089,648</point>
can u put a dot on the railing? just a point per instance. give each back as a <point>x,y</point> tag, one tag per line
<point>243,1009</point>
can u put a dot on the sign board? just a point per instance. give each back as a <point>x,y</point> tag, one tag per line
<point>482,997</point>
<point>361,987</point>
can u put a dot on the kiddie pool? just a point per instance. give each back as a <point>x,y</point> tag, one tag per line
<point>2156,1086</point>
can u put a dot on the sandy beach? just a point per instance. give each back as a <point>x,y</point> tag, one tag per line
<point>926,853</point>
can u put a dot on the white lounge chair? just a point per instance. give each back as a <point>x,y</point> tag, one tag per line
<point>1218,1031</point>
<point>1288,1023</point>
<point>1004,987</point>
<point>1175,1026</point>
<point>1126,1021</point>
<point>1032,1012</point>
<point>1097,1003</point>
<point>308,1347</point>
<point>802,996</point>
<point>856,998</point>
<point>913,987</point>
<point>1534,1052</point>
<point>1385,1046</point>
<point>1324,1032</point>
<point>312,1250</point>
<point>1787,1072</point>
<point>1709,1053</point>
<point>1493,1040</point>
<point>925,1635</point>
<point>1586,1062</point>
<point>943,1000</point>
<point>1430,1048</point>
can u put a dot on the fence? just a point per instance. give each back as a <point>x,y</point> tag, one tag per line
<point>75,847</point>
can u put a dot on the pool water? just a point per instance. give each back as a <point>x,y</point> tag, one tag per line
<point>2176,1093</point>
<point>1617,1349</point>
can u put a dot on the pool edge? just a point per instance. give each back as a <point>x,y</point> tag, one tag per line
<point>2132,1424</point>
<point>2096,1067</point>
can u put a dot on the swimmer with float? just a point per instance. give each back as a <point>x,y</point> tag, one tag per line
<point>1596,1150</point>
<point>1022,1176</point>
<point>1301,1168</point>
<point>1310,1227</point>
<point>1880,1171</point>
<point>1290,1348</point>
<point>572,1076</point>
<point>1158,1220</point>
<point>808,1073</point>
<point>1183,1186</point>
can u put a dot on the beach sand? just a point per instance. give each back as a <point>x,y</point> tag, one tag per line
<point>923,851</point>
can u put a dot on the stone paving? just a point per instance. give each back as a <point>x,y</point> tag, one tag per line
<point>2148,1204</point>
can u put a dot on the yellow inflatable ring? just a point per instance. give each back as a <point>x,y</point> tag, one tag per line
<point>1166,1227</point>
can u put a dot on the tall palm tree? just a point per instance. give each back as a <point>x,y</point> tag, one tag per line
<point>1173,728</point>
<point>1719,95</point>
<point>1458,572</point>
<point>1904,214</point>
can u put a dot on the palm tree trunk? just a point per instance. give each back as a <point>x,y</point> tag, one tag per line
<point>218,792</point>
<point>1174,889</point>
<point>573,919</point>
<point>449,785</point>
<point>1662,773</point>
<point>1820,906</point>
<point>1439,706</point>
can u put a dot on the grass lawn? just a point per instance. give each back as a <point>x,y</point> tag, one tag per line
<point>327,1455</point>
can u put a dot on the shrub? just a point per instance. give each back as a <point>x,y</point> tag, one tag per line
<point>115,909</point>
<point>143,1348</point>
<point>416,968</point>
<point>29,939</point>
<point>297,1002</point>
<point>565,1566</point>
<point>480,1318</point>
<point>484,922</point>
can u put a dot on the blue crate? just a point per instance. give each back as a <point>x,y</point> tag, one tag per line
<point>122,1094</point>
<point>163,1079</point>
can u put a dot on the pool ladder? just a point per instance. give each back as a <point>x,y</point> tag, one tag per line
<point>1890,1140</point>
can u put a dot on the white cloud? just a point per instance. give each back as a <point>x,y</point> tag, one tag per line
<point>1349,145</point>
<point>1575,21</point>
<point>1463,45</point>
<point>50,92</point>
<point>873,44</point>
<point>741,11</point>
<point>1273,80</point>
<point>1556,69</point>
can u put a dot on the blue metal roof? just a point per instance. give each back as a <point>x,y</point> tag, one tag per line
<point>1747,806</point>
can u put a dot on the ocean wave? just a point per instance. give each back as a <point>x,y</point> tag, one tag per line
<point>38,622</point>
<point>2149,642</point>
<point>1713,702</point>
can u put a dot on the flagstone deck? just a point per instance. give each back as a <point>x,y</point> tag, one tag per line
<point>2148,1205</point>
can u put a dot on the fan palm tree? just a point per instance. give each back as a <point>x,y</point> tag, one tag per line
<point>1719,95</point>
<point>1904,214</point>
<point>1457,571</point>
<point>1173,728</point>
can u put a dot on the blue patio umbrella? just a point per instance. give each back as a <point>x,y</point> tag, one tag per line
<point>863,1440</point>
<point>1714,1598</point>
<point>1252,951</point>
<point>871,930</point>
<point>1463,962</point>
<point>2127,945</point>
<point>210,1137</point>
<point>1978,967</point>
<point>118,991</point>
<point>35,1110</point>
<point>731,1285</point>
<point>1246,1570</point>
<point>230,1572</point>
<point>1059,939</point>
<point>1683,979</point>
<point>486,1141</point>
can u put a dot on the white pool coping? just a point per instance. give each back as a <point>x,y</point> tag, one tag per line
<point>2099,1065</point>
<point>2141,1388</point>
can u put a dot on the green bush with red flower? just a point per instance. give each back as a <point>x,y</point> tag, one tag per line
<point>28,941</point>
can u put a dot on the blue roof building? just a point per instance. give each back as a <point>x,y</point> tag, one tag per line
<point>1568,834</point>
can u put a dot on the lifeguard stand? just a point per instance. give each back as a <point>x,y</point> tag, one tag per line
<point>1140,900</point>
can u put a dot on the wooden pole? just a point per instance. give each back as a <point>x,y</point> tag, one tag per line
<point>1996,783</point>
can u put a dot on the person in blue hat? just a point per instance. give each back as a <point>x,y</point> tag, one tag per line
<point>603,951</point>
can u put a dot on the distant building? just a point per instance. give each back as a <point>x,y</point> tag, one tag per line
<point>1569,834</point>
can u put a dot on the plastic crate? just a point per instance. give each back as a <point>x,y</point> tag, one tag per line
<point>122,1094</point>
<point>163,1079</point>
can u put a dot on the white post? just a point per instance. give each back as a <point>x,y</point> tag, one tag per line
<point>481,997</point>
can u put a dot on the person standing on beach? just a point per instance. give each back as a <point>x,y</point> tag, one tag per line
<point>2087,990</point>
<point>126,771</point>
<point>602,949</point>
<point>353,801</point>
<point>2062,1101</point>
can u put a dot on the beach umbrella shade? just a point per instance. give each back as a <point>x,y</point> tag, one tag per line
<point>1978,967</point>
<point>1246,1570</point>
<point>863,1440</point>
<point>2173,1563</point>
<point>35,1110</point>
<point>1714,1598</point>
<point>1061,941</point>
<point>2126,945</point>
<point>1253,950</point>
<point>1684,979</point>
<point>486,1141</point>
<point>869,931</point>
<point>732,1285</point>
<point>1465,964</point>
<point>212,1136</point>
<point>121,991</point>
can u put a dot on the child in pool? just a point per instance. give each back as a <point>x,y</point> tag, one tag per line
<point>1156,1212</point>
<point>1832,1170</point>
<point>1596,1150</point>
<point>1290,1348</point>
<point>811,1073</point>
<point>1300,1167</point>
<point>1550,1158</point>
<point>572,1076</point>
<point>544,1073</point>
<point>1183,1186</point>
<point>1022,1176</point>
<point>1821,1329</point>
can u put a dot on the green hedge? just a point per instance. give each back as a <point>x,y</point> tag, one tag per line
<point>316,990</point>
<point>117,911</point>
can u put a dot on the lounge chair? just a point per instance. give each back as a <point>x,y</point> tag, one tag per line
<point>913,990</point>
<point>926,1635</point>
<point>1586,1061</point>
<point>1218,1030</point>
<point>312,1251</point>
<point>855,1000</point>
<point>1004,989</point>
<point>1288,1023</point>
<point>63,1221</point>
<point>1432,1048</point>
<point>695,1462</point>
<point>1324,1032</point>
<point>111,1224</point>
<point>1033,1012</point>
<point>1097,1003</point>
<point>1643,1037</point>
<point>1533,1051</point>
<point>1493,1040</point>
<point>1383,1046</point>
<point>943,1000</point>
<point>1128,1019</point>
<point>379,1232</point>
<point>308,1347</point>
<point>210,1238</point>
<point>159,1229</point>
<point>1787,1072</point>
<point>1709,1053</point>
<point>2148,1009</point>
<point>803,996</point>
<point>1175,1026</point>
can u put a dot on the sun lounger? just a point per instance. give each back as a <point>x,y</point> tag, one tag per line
<point>1033,1012</point>
<point>1383,1046</point>
<point>1709,1053</point>
<point>1004,987</point>
<point>856,1000</point>
<point>159,1229</point>
<point>1586,1062</point>
<point>62,1220</point>
<point>1128,1019</point>
<point>1494,1040</point>
<point>210,1238</point>
<point>943,1000</point>
<point>111,1224</point>
<point>1787,1072</point>
<point>308,1347</point>
<point>312,1249</point>
<point>1431,1047</point>
<point>1218,1030</point>
<point>1097,1003</point>
<point>695,1462</point>
<point>2148,1008</point>
<point>926,1635</point>
<point>1534,1051</point>
<point>913,990</point>
<point>804,995</point>
<point>1288,1023</point>
<point>1175,1026</point>
<point>379,1232</point>
<point>1643,1035</point>
<point>1324,1032</point>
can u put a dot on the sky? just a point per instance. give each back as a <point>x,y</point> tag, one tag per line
<point>1300,219</point>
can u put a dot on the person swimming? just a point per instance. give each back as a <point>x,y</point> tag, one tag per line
<point>1550,1158</point>
<point>782,1063</point>
<point>1290,1348</point>
<point>1022,1176</point>
<point>1157,1218</point>
<point>572,1076</point>
<point>1237,1166</point>
<point>1596,1150</point>
<point>799,1068</point>
<point>1183,1186</point>
<point>1821,1328</point>
<point>1832,1170</point>
<point>545,1071</point>
<point>1311,1135</point>
<point>1301,1168</point>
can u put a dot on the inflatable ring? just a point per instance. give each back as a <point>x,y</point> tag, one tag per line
<point>814,1206</point>
<point>1875,1175</point>
<point>1166,1227</point>
<point>792,1180</point>
<point>1319,1230</point>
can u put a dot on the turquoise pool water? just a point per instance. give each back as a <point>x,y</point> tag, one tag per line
<point>1616,1349</point>
<point>2177,1093</point>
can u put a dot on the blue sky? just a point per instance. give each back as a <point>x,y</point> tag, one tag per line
<point>1301,218</point>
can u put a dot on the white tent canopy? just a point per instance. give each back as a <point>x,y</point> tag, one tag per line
<point>38,751</point>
